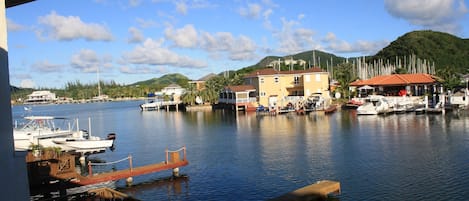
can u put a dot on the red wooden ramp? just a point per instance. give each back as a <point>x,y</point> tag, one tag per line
<point>172,161</point>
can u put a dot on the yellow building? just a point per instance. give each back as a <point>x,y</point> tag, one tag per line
<point>278,89</point>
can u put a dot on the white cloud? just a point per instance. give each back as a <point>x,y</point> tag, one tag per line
<point>152,53</point>
<point>442,15</point>
<point>146,23</point>
<point>241,48</point>
<point>136,35</point>
<point>363,47</point>
<point>46,67</point>
<point>141,70</point>
<point>70,28</point>
<point>184,37</point>
<point>88,61</point>
<point>253,11</point>
<point>181,7</point>
<point>27,83</point>
<point>13,26</point>
<point>292,39</point>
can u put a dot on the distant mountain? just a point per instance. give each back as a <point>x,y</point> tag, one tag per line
<point>165,80</point>
<point>444,49</point>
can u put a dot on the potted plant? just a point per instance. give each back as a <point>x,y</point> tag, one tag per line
<point>35,149</point>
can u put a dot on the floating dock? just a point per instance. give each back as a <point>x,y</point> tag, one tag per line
<point>317,191</point>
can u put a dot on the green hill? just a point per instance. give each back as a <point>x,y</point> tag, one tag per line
<point>165,80</point>
<point>444,49</point>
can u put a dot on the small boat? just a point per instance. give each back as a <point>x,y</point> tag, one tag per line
<point>331,109</point>
<point>82,144</point>
<point>374,104</point>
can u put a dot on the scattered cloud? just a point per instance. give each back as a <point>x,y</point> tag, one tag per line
<point>47,67</point>
<point>252,11</point>
<point>184,37</point>
<point>27,83</point>
<point>142,70</point>
<point>442,15</point>
<point>13,26</point>
<point>67,28</point>
<point>292,39</point>
<point>181,7</point>
<point>340,46</point>
<point>136,35</point>
<point>241,48</point>
<point>87,61</point>
<point>143,23</point>
<point>152,52</point>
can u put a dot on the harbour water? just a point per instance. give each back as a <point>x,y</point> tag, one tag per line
<point>248,157</point>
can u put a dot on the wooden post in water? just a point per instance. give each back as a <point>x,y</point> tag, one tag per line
<point>90,170</point>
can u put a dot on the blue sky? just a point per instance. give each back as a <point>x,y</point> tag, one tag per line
<point>51,42</point>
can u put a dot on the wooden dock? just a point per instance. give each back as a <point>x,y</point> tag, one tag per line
<point>62,167</point>
<point>317,191</point>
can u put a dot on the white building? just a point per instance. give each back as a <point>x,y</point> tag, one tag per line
<point>173,90</point>
<point>40,97</point>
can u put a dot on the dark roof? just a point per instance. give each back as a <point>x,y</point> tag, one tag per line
<point>11,3</point>
<point>239,88</point>
<point>271,71</point>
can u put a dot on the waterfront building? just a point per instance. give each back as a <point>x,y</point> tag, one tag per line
<point>275,88</point>
<point>40,97</point>
<point>399,84</point>
<point>173,90</point>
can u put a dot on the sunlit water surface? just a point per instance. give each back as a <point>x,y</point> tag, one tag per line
<point>249,157</point>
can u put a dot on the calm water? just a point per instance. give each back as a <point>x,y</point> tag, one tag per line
<point>249,157</point>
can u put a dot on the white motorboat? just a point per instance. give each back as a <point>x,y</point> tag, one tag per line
<point>43,131</point>
<point>374,104</point>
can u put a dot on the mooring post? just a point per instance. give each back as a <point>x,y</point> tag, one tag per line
<point>184,152</point>
<point>90,171</point>
<point>130,162</point>
<point>166,151</point>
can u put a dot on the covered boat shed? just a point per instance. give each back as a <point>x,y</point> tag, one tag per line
<point>400,84</point>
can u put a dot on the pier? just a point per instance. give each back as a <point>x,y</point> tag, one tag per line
<point>318,191</point>
<point>62,167</point>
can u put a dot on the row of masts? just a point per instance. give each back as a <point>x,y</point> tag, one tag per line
<point>363,69</point>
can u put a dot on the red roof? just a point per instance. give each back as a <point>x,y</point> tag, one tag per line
<point>271,71</point>
<point>240,88</point>
<point>397,79</point>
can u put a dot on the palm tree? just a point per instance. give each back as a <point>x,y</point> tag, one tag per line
<point>344,75</point>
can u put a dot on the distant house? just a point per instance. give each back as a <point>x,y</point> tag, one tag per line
<point>173,90</point>
<point>272,87</point>
<point>400,84</point>
<point>199,84</point>
<point>40,97</point>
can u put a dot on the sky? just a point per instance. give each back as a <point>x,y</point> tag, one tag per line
<point>52,43</point>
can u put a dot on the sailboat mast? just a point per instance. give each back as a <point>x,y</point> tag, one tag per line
<point>99,84</point>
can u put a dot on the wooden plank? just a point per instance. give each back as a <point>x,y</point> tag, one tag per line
<point>121,174</point>
<point>317,191</point>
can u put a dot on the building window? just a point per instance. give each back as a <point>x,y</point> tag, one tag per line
<point>318,77</point>
<point>296,79</point>
<point>262,94</point>
<point>276,79</point>
<point>262,80</point>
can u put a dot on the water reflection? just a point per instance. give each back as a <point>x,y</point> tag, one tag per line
<point>169,188</point>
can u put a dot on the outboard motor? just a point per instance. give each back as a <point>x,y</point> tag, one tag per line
<point>111,136</point>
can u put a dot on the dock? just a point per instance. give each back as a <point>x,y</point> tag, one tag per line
<point>318,191</point>
<point>62,167</point>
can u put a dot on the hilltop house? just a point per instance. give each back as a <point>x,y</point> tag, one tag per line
<point>274,88</point>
